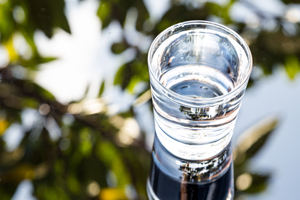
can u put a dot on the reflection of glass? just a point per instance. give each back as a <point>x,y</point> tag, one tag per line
<point>175,178</point>
<point>198,72</point>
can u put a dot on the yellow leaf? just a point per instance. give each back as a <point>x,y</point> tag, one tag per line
<point>112,194</point>
<point>13,56</point>
<point>3,126</point>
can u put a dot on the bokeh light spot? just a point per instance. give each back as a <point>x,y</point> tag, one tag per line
<point>75,108</point>
<point>244,181</point>
<point>64,144</point>
<point>93,189</point>
<point>44,109</point>
<point>19,14</point>
<point>293,15</point>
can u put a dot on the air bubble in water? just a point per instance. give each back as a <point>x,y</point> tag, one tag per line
<point>186,86</point>
<point>203,87</point>
<point>198,86</point>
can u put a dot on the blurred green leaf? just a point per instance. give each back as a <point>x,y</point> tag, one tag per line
<point>254,139</point>
<point>30,103</point>
<point>101,89</point>
<point>104,13</point>
<point>108,154</point>
<point>73,184</point>
<point>249,144</point>
<point>85,145</point>
<point>35,62</point>
<point>43,15</point>
<point>4,195</point>
<point>133,81</point>
<point>139,161</point>
<point>123,75</point>
<point>7,23</point>
<point>48,14</point>
<point>46,59</point>
<point>48,192</point>
<point>26,17</point>
<point>220,11</point>
<point>118,48</point>
<point>130,74</point>
<point>117,10</point>
<point>180,13</point>
<point>291,1</point>
<point>259,183</point>
<point>271,48</point>
<point>292,66</point>
<point>143,15</point>
<point>33,88</point>
<point>86,90</point>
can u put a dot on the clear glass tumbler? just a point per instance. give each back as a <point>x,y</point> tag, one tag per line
<point>199,72</point>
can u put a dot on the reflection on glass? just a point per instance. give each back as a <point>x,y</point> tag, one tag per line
<point>175,178</point>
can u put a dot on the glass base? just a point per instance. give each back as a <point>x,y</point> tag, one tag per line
<point>178,179</point>
<point>151,195</point>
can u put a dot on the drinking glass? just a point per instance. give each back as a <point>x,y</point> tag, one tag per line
<point>199,71</point>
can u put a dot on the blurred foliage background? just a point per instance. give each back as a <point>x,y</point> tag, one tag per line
<point>81,151</point>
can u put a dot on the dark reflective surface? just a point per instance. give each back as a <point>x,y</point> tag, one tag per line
<point>174,178</point>
<point>96,144</point>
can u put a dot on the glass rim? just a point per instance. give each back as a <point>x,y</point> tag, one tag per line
<point>190,100</point>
